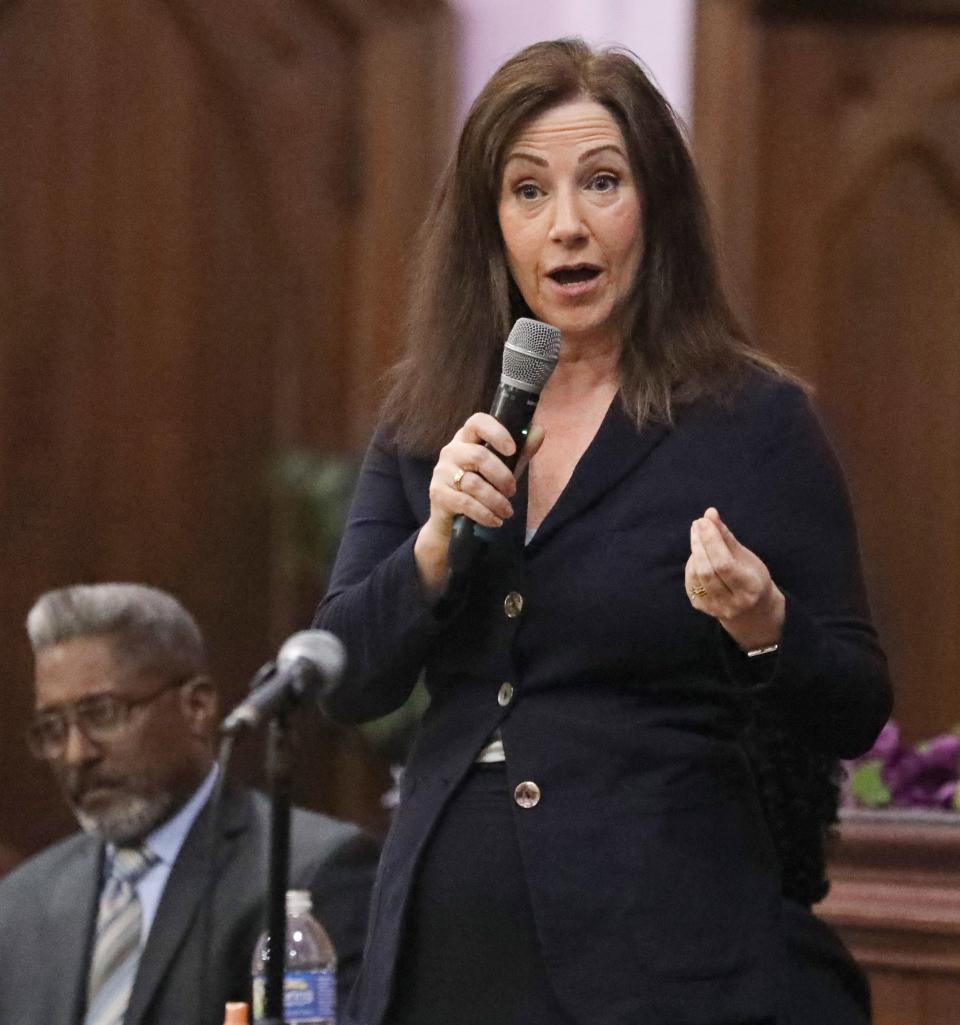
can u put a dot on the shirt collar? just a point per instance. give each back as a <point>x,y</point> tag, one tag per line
<point>167,839</point>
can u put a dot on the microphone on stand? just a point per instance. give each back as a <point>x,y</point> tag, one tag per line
<point>529,358</point>
<point>307,661</point>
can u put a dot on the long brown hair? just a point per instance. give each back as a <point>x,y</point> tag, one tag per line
<point>681,341</point>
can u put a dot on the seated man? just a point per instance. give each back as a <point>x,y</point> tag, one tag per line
<point>108,925</point>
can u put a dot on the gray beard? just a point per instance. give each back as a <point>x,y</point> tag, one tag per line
<point>128,820</point>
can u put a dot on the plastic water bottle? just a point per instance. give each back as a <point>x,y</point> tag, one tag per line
<point>310,973</point>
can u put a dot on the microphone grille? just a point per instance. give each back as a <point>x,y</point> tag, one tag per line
<point>320,648</point>
<point>530,353</point>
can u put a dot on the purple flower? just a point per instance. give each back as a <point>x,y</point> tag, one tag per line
<point>887,746</point>
<point>925,776</point>
<point>942,750</point>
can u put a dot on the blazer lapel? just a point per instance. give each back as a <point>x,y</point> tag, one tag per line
<point>72,912</point>
<point>182,899</point>
<point>616,451</point>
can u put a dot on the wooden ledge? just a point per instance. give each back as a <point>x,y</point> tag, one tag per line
<point>895,889</point>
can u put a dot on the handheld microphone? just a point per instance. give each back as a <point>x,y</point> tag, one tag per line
<point>529,358</point>
<point>306,661</point>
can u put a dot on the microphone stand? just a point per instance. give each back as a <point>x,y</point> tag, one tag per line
<point>302,676</point>
<point>279,764</point>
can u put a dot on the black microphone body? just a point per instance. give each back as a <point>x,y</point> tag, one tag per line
<point>529,357</point>
<point>514,408</point>
<point>306,661</point>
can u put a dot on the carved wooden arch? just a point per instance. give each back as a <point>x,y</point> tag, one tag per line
<point>893,398</point>
<point>190,281</point>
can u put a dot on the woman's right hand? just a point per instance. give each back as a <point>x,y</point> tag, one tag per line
<point>482,491</point>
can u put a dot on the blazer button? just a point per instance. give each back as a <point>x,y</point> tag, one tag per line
<point>527,794</point>
<point>513,605</point>
<point>505,694</point>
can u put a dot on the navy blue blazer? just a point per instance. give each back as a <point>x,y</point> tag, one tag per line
<point>651,871</point>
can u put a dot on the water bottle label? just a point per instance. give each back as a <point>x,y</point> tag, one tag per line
<point>308,997</point>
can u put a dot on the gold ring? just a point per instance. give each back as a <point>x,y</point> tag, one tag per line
<point>697,591</point>
<point>457,481</point>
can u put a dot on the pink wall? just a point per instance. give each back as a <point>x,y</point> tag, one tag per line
<point>660,32</point>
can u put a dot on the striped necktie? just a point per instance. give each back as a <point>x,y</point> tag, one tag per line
<point>116,952</point>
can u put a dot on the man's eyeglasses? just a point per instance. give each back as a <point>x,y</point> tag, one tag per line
<point>99,718</point>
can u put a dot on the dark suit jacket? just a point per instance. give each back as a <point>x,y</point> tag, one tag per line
<point>653,879</point>
<point>48,907</point>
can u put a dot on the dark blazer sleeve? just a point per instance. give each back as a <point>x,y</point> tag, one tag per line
<point>48,907</point>
<point>375,604</point>
<point>830,674</point>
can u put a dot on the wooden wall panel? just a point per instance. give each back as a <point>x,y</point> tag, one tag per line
<point>400,103</point>
<point>896,407</point>
<point>189,201</point>
<point>898,998</point>
<point>845,155</point>
<point>859,11</point>
<point>727,44</point>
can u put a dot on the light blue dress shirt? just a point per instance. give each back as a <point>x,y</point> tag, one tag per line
<point>165,841</point>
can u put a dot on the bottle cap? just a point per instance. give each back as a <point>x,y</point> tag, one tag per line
<point>299,902</point>
<point>236,1014</point>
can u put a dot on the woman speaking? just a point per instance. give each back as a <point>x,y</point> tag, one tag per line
<point>580,837</point>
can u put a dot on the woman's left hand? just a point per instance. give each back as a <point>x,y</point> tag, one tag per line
<point>729,582</point>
